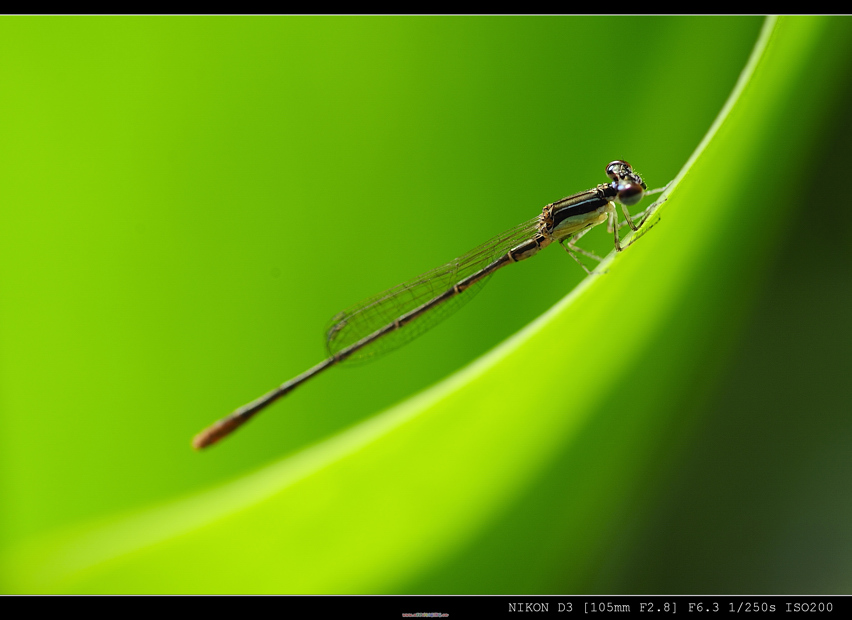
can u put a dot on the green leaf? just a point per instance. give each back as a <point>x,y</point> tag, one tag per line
<point>521,471</point>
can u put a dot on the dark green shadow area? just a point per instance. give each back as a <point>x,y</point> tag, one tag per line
<point>762,500</point>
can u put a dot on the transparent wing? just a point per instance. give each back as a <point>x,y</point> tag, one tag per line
<point>361,320</point>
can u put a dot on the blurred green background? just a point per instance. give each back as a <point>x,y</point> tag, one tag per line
<point>186,202</point>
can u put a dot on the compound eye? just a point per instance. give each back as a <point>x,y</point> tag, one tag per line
<point>617,168</point>
<point>630,193</point>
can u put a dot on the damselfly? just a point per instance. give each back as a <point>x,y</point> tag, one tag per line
<point>398,315</point>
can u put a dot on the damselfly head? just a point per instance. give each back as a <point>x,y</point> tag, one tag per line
<point>628,184</point>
